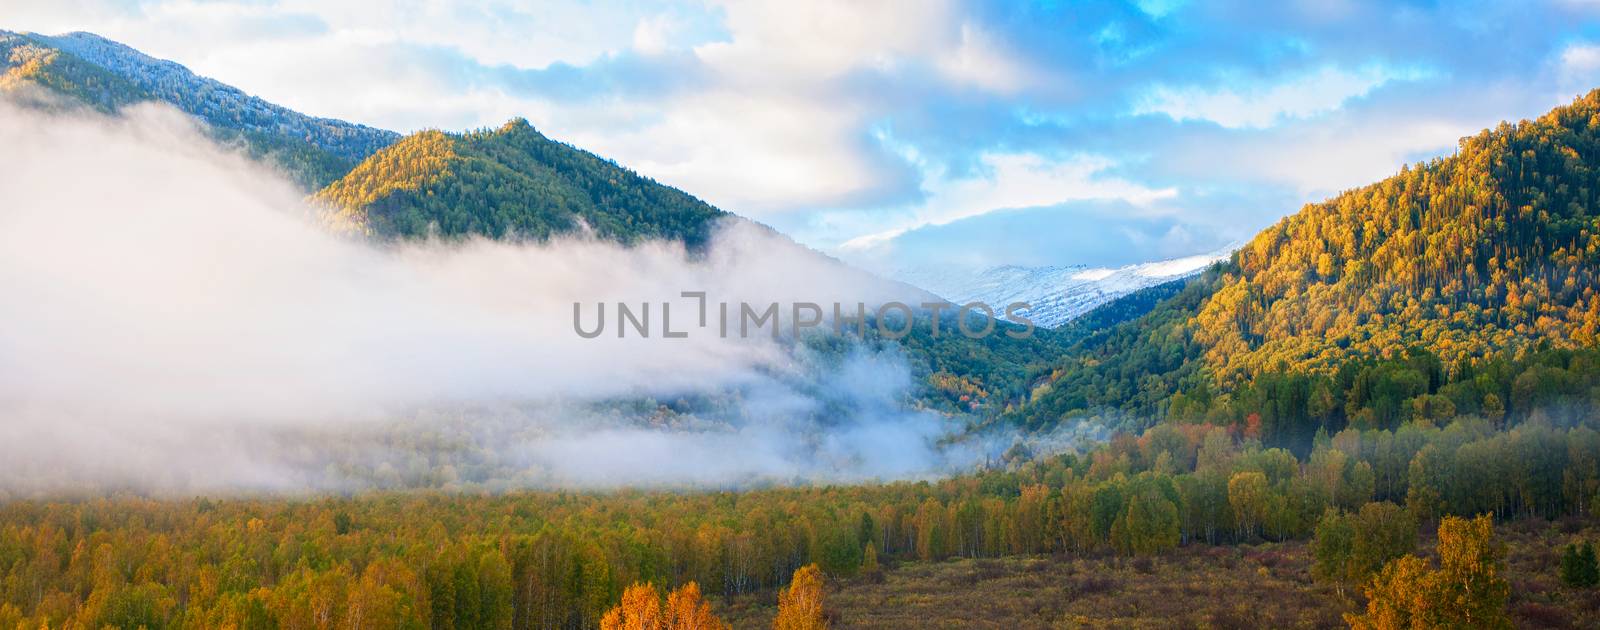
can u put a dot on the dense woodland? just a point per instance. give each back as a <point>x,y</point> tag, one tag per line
<point>1289,407</point>
<point>562,559</point>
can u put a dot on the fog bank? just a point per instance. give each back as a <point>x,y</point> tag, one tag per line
<point>173,321</point>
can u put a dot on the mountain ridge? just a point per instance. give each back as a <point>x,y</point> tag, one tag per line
<point>172,82</point>
<point>509,182</point>
<point>108,76</point>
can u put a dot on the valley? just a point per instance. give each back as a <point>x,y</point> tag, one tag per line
<point>263,369</point>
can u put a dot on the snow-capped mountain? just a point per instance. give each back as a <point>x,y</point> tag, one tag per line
<point>1057,294</point>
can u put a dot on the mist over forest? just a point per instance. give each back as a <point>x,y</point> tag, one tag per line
<point>179,321</point>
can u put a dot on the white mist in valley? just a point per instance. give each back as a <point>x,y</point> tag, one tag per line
<point>173,322</point>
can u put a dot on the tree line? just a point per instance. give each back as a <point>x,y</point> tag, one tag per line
<point>563,559</point>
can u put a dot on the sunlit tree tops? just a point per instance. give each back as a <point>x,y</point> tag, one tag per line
<point>510,182</point>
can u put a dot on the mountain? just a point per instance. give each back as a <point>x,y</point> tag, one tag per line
<point>1056,294</point>
<point>505,183</point>
<point>1376,304</point>
<point>108,76</point>
<point>510,182</point>
<point>514,183</point>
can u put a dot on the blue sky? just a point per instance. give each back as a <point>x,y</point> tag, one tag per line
<point>909,134</point>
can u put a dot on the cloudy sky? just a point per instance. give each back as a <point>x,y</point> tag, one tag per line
<point>904,134</point>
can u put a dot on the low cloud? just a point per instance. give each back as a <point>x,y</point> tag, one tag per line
<point>175,322</point>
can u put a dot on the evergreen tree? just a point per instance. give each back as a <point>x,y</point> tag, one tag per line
<point>1578,567</point>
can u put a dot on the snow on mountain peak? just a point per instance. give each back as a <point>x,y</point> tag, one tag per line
<point>1057,294</point>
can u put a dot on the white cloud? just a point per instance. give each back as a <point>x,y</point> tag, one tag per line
<point>1578,66</point>
<point>1303,96</point>
<point>1318,158</point>
<point>750,152</point>
<point>772,132</point>
<point>1010,181</point>
<point>979,60</point>
<point>797,44</point>
<point>655,34</point>
<point>1581,58</point>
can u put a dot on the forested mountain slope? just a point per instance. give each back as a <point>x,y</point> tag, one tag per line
<point>108,76</point>
<point>510,182</point>
<point>1494,247</point>
<point>1488,252</point>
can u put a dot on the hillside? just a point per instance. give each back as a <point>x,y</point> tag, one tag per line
<point>108,76</point>
<point>1479,256</point>
<point>26,62</point>
<point>510,182</point>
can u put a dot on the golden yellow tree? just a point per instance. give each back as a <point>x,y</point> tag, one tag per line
<point>800,605</point>
<point>1470,563</point>
<point>687,610</point>
<point>1401,596</point>
<point>1466,591</point>
<point>1247,494</point>
<point>640,609</point>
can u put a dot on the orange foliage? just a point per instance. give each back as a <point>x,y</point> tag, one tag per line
<point>641,609</point>
<point>800,606</point>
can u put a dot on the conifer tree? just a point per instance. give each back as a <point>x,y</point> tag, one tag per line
<point>1578,566</point>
